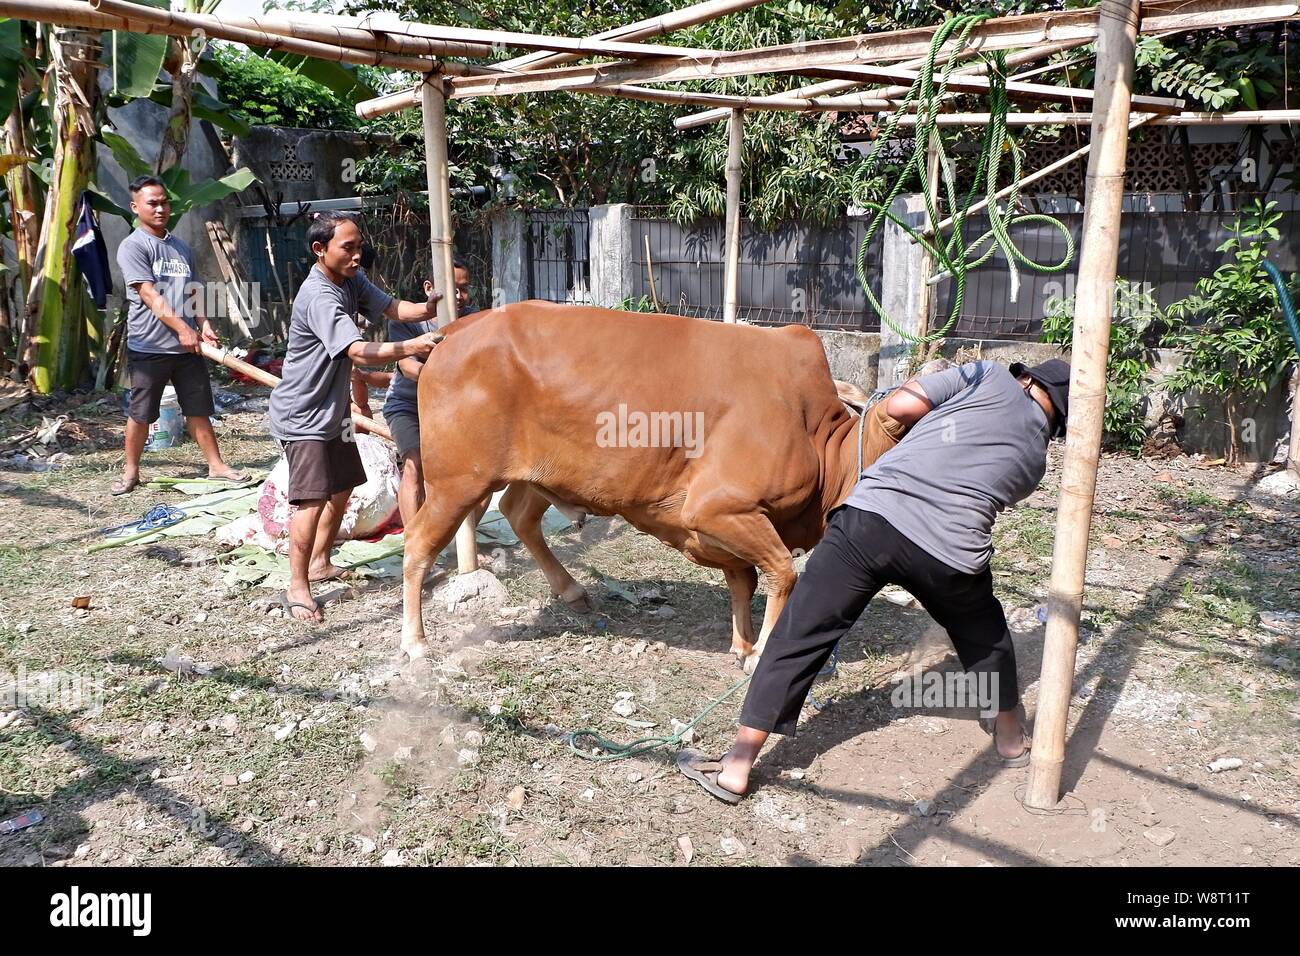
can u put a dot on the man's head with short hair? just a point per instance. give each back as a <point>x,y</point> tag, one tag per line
<point>460,273</point>
<point>150,203</point>
<point>334,238</point>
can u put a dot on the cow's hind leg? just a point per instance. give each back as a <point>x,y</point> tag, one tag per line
<point>445,507</point>
<point>750,536</point>
<point>742,584</point>
<point>523,507</point>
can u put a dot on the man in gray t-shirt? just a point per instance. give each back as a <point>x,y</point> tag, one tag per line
<point>164,328</point>
<point>921,517</point>
<point>310,407</point>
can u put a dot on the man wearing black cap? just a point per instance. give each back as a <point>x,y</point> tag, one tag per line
<point>920,517</point>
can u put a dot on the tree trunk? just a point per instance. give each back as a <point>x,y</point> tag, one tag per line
<point>182,64</point>
<point>57,297</point>
<point>25,226</point>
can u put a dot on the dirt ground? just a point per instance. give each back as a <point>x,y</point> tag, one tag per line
<point>228,735</point>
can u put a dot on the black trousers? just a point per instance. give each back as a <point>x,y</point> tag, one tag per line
<point>859,555</point>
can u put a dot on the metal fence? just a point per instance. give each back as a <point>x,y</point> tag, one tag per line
<point>799,273</point>
<point>1163,252</point>
<point>277,258</point>
<point>556,255</point>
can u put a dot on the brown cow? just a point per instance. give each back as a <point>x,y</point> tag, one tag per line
<point>559,403</point>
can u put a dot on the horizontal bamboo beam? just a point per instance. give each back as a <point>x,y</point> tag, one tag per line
<point>297,27</point>
<point>504,39</point>
<point>654,26</point>
<point>70,13</point>
<point>1135,120</point>
<point>892,92</point>
<point>1004,33</point>
<point>1241,118</point>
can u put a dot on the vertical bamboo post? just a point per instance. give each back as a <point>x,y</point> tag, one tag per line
<point>925,301</point>
<point>731,286</point>
<point>1293,451</point>
<point>1116,43</point>
<point>433,100</point>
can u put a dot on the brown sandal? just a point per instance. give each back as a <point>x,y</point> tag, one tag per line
<point>124,486</point>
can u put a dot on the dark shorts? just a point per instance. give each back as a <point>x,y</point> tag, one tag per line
<point>405,427</point>
<point>151,373</point>
<point>321,469</point>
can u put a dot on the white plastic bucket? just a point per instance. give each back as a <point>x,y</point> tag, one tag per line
<point>169,429</point>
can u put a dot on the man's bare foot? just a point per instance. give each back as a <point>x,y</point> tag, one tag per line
<point>125,485</point>
<point>735,773</point>
<point>301,606</point>
<point>326,572</point>
<point>1010,734</point>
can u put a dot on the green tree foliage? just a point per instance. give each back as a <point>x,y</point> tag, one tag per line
<point>269,93</point>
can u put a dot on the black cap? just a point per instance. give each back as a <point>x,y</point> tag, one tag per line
<point>1054,377</point>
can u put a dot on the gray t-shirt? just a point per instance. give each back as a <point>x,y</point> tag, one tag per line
<point>402,391</point>
<point>313,396</point>
<point>169,265</point>
<point>981,449</point>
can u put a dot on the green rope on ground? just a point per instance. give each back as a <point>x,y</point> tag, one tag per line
<point>617,751</point>
<point>954,257</point>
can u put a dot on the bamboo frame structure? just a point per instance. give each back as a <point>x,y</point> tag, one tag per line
<point>852,62</point>
<point>1004,33</point>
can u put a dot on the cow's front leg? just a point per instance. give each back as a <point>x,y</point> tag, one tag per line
<point>742,584</point>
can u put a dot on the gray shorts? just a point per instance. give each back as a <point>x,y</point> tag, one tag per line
<point>405,427</point>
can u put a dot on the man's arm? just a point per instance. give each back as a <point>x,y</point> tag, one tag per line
<point>410,368</point>
<point>157,303</point>
<point>381,353</point>
<point>908,405</point>
<point>404,311</point>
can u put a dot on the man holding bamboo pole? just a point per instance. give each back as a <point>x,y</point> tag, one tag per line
<point>309,408</point>
<point>165,327</point>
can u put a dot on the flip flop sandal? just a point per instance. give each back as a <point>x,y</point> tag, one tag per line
<point>704,770</point>
<point>235,478</point>
<point>989,726</point>
<point>123,487</point>
<point>290,605</point>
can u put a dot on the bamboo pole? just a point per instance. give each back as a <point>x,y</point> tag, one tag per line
<point>1293,449</point>
<point>1241,118</point>
<point>297,25</point>
<point>70,13</point>
<point>735,148</point>
<point>1136,121</point>
<point>817,90</point>
<point>654,26</point>
<point>434,108</point>
<point>1095,298</point>
<point>676,20</point>
<point>263,377</point>
<point>408,99</point>
<point>389,24</point>
<point>1004,33</point>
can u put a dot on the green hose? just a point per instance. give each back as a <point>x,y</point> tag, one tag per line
<point>1284,298</point>
<point>953,256</point>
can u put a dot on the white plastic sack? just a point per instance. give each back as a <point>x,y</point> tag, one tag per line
<point>372,507</point>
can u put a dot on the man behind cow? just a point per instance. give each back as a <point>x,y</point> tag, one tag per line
<point>164,329</point>
<point>921,517</point>
<point>401,409</point>
<point>309,408</point>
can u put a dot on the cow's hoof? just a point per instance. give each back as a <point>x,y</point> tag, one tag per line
<point>750,663</point>
<point>577,599</point>
<point>416,650</point>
